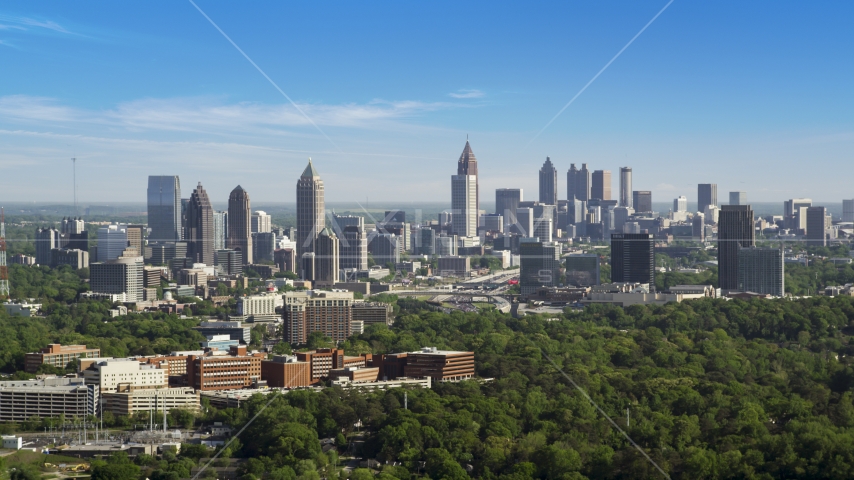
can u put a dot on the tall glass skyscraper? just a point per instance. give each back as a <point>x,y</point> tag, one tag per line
<point>311,210</point>
<point>164,208</point>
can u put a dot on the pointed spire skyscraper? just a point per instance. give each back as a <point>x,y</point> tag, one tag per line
<point>310,210</point>
<point>465,203</point>
<point>199,229</point>
<point>239,224</point>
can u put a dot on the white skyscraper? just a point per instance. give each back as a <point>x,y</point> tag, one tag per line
<point>680,204</point>
<point>112,241</point>
<point>464,195</point>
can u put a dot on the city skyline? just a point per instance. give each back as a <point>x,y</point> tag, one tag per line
<point>216,110</point>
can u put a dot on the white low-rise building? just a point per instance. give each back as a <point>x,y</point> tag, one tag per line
<point>109,374</point>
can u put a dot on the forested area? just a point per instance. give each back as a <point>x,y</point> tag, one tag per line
<point>715,389</point>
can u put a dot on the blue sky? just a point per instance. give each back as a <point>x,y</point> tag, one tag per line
<point>753,96</point>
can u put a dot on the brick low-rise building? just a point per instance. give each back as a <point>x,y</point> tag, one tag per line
<point>215,371</point>
<point>440,365</point>
<point>58,356</point>
<point>286,372</point>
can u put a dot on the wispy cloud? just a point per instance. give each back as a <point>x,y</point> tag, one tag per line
<point>467,93</point>
<point>21,23</point>
<point>211,115</point>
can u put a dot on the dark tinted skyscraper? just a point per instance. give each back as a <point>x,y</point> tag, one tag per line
<point>582,183</point>
<point>548,183</point>
<point>310,209</point>
<point>707,194</point>
<point>642,200</point>
<point>164,208</point>
<point>633,258</point>
<point>199,232</point>
<point>506,202</point>
<point>817,226</point>
<point>240,224</point>
<point>601,188</point>
<point>571,182</point>
<point>735,230</point>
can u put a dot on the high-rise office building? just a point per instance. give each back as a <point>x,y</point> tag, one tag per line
<point>230,260</point>
<point>738,198</point>
<point>263,246</point>
<point>735,231</point>
<point>240,224</point>
<point>707,194</point>
<point>848,210</point>
<point>582,270</point>
<point>327,258</point>
<point>582,183</point>
<point>164,208</point>
<point>539,265</point>
<point>633,258</point>
<point>354,247</point>
<point>601,187</point>
<point>426,241</point>
<point>123,275</point>
<point>525,221</point>
<point>548,183</point>
<point>261,222</point>
<point>791,206</point>
<point>310,209</point>
<point>199,229</point>
<point>464,195</point>
<point>626,187</point>
<point>72,226</point>
<point>680,204</point>
<point>327,312</point>
<point>817,226</point>
<point>698,227</point>
<point>385,248</point>
<point>761,270</point>
<point>46,240</point>
<point>642,200</point>
<point>112,242</point>
<point>506,202</point>
<point>571,183</point>
<point>220,230</point>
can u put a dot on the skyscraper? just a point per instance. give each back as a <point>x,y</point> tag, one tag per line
<point>582,183</point>
<point>240,224</point>
<point>760,270</point>
<point>601,188</point>
<point>680,204</point>
<point>464,195</point>
<point>626,187</point>
<point>220,230</point>
<point>261,222</point>
<point>310,209</point>
<point>199,231</point>
<point>327,259</point>
<point>707,194</point>
<point>548,183</point>
<point>735,230</point>
<point>571,183</point>
<point>539,265</point>
<point>738,198</point>
<point>354,247</point>
<point>164,208</point>
<point>46,240</point>
<point>642,200</point>
<point>817,226</point>
<point>506,202</point>
<point>633,258</point>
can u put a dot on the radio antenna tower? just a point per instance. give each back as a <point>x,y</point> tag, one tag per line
<point>74,167</point>
<point>4,269</point>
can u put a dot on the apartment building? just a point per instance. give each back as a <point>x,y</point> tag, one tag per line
<point>327,312</point>
<point>373,312</point>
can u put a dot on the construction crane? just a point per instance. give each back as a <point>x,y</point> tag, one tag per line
<point>4,269</point>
